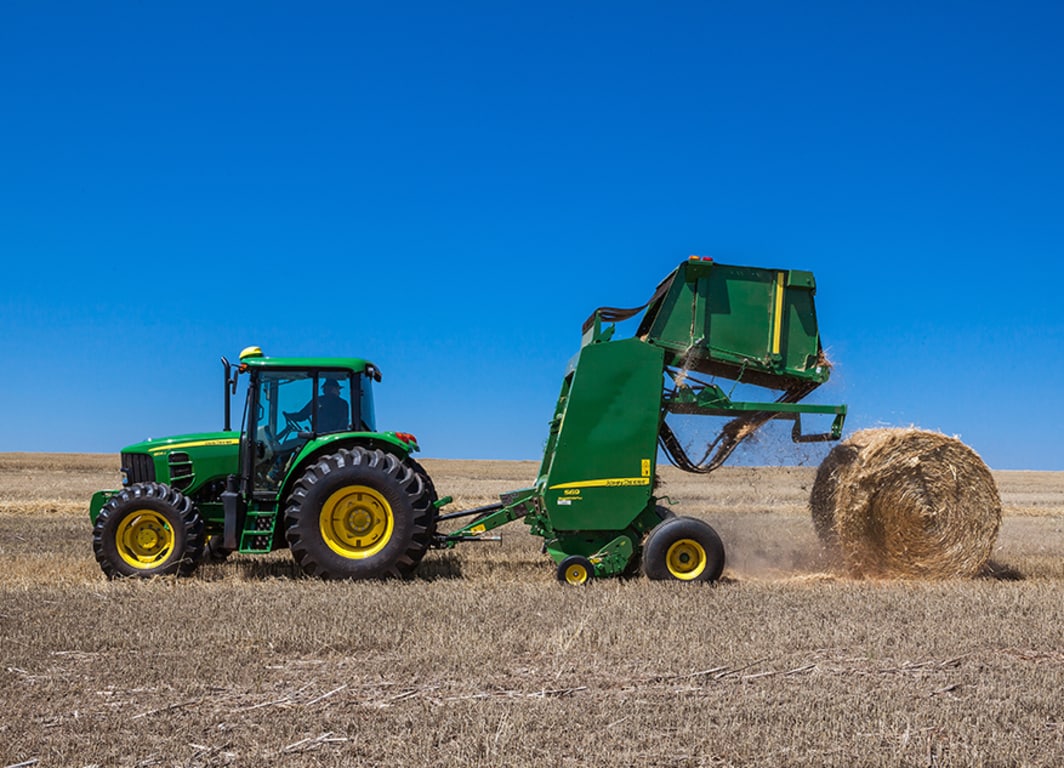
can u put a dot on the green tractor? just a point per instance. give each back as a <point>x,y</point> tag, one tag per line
<point>308,471</point>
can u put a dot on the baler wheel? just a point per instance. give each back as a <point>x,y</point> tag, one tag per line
<point>575,571</point>
<point>684,549</point>
<point>359,513</point>
<point>148,529</point>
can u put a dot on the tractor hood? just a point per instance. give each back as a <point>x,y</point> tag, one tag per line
<point>185,462</point>
<point>196,442</point>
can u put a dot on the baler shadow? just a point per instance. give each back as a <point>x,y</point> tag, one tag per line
<point>1000,572</point>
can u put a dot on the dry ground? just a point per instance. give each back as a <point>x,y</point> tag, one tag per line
<point>485,660</point>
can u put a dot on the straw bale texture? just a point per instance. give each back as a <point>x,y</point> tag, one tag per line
<point>906,503</point>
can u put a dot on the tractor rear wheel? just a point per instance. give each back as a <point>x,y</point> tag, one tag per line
<point>359,513</point>
<point>430,498</point>
<point>685,549</point>
<point>148,529</point>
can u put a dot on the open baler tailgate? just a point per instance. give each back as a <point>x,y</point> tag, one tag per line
<point>749,325</point>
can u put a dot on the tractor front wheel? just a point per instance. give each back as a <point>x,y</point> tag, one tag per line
<point>684,549</point>
<point>359,513</point>
<point>148,529</point>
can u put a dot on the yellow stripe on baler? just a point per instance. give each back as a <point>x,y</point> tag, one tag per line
<point>607,482</point>
<point>777,325</point>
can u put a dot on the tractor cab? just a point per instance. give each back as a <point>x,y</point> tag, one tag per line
<point>291,403</point>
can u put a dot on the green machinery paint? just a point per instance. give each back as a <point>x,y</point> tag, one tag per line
<point>351,502</point>
<point>593,501</point>
<point>347,499</point>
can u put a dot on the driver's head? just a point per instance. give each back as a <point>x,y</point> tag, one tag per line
<point>331,387</point>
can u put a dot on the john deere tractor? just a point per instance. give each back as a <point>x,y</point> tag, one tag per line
<point>308,471</point>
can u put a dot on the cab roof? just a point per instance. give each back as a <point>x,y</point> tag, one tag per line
<point>252,357</point>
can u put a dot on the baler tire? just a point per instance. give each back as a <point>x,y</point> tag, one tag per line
<point>575,571</point>
<point>148,529</point>
<point>683,549</point>
<point>359,513</point>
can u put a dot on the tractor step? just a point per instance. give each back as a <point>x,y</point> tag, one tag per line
<point>257,536</point>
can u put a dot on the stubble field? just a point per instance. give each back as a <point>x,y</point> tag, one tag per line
<point>484,659</point>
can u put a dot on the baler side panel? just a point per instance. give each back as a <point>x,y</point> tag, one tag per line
<point>600,473</point>
<point>555,426</point>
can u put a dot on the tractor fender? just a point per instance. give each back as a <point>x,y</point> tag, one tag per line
<point>326,444</point>
<point>98,500</point>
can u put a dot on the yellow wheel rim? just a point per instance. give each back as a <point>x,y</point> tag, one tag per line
<point>576,574</point>
<point>356,522</point>
<point>686,559</point>
<point>144,539</point>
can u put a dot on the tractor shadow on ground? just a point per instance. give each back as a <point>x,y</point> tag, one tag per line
<point>268,568</point>
<point>439,567</point>
<point>258,568</point>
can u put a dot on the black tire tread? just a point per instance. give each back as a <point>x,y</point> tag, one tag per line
<point>563,566</point>
<point>672,529</point>
<point>428,498</point>
<point>386,471</point>
<point>157,495</point>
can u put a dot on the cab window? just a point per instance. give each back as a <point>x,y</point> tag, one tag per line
<point>281,426</point>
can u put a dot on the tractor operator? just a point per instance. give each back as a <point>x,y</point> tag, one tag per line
<point>334,413</point>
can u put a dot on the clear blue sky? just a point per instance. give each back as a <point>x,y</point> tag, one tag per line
<point>448,189</point>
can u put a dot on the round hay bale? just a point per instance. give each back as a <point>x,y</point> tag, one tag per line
<point>822,497</point>
<point>906,503</point>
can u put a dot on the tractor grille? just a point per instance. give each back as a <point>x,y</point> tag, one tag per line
<point>181,471</point>
<point>138,468</point>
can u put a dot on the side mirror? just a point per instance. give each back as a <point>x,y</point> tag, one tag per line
<point>230,383</point>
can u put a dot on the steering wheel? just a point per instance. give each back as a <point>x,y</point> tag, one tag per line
<point>291,426</point>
